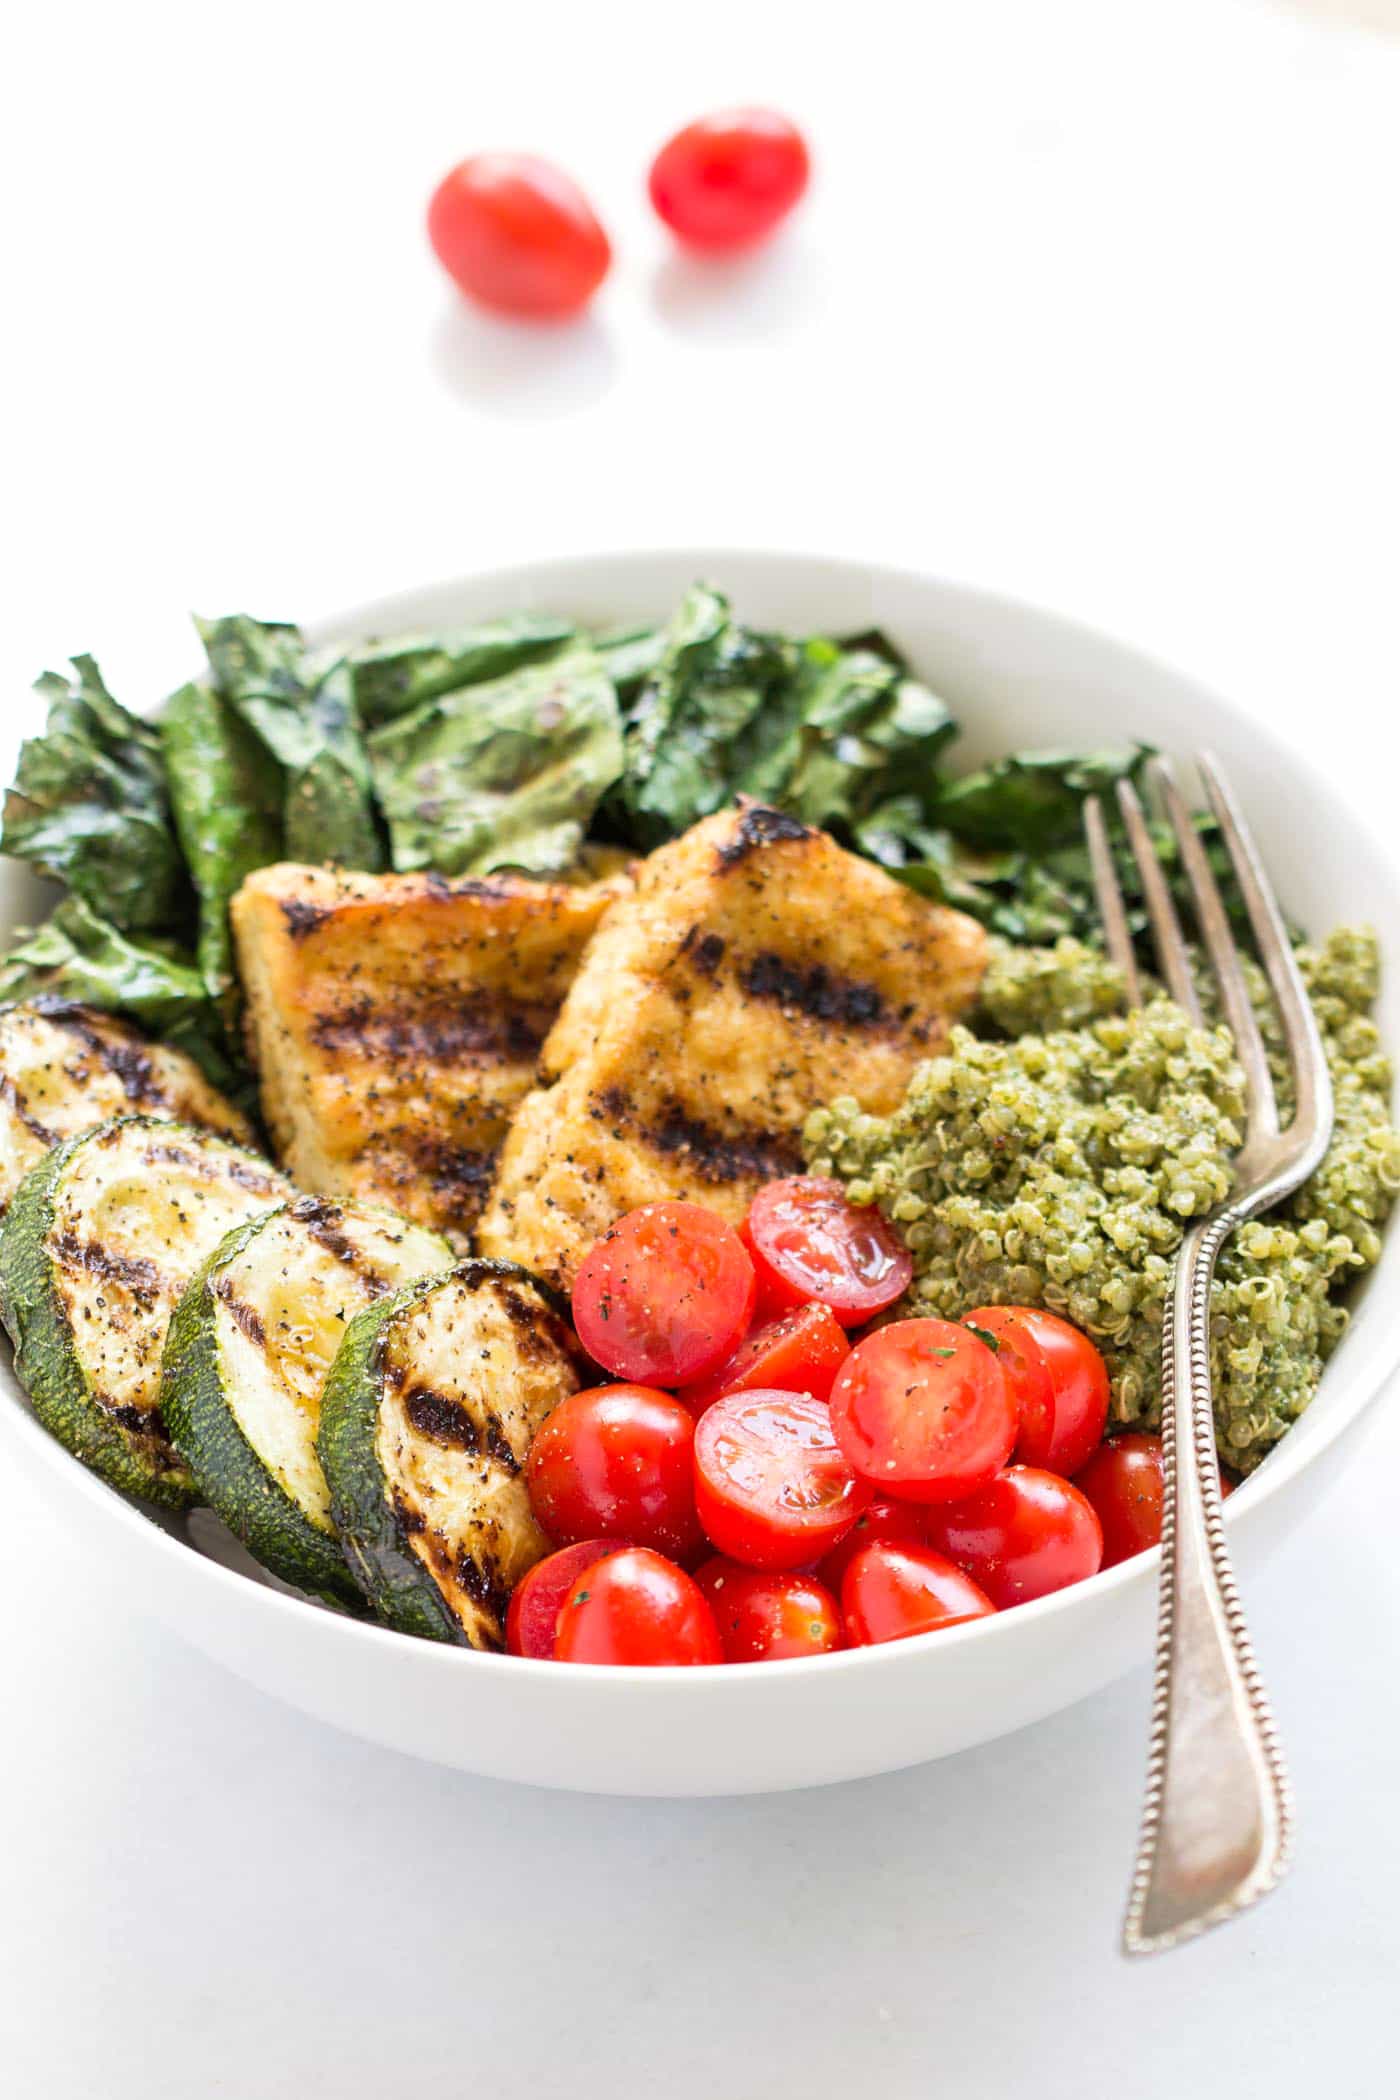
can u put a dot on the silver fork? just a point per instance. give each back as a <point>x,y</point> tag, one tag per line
<point>1218,1811</point>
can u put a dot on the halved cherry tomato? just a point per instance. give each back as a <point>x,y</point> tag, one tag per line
<point>518,235</point>
<point>774,1296</point>
<point>616,1462</point>
<point>1123,1480</point>
<point>772,1488</point>
<point>884,1522</point>
<point>769,1616</point>
<point>890,1592</point>
<point>636,1607</point>
<point>533,1617</point>
<point>808,1242</point>
<point>728,179</point>
<point>799,1352</point>
<point>924,1409</point>
<point>1021,1536</point>
<point>665,1295</point>
<point>1060,1382</point>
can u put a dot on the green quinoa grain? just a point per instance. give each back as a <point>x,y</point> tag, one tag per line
<point>1058,1162</point>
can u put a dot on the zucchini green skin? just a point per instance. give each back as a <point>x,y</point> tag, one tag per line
<point>371,1531</point>
<point>46,1362</point>
<point>232,1478</point>
<point>371,1536</point>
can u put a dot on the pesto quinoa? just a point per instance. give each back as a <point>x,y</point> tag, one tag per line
<point>1056,1158</point>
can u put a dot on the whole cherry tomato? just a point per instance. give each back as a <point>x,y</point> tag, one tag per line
<point>767,1615</point>
<point>636,1607</point>
<point>809,1243</point>
<point>518,235</point>
<point>883,1521</point>
<point>799,1352</point>
<point>727,180</point>
<point>924,1409</point>
<point>1060,1382</point>
<point>1021,1536</point>
<point>771,1486</point>
<point>889,1592</point>
<point>616,1462</point>
<point>665,1296</point>
<point>1123,1480</point>
<point>533,1617</point>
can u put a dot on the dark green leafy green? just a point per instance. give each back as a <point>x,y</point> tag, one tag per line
<point>502,774</point>
<point>305,714</point>
<point>1006,844</point>
<point>1064,874</point>
<point>699,719</point>
<point>812,727</point>
<point>630,656</point>
<point>79,955</point>
<point>875,642</point>
<point>859,730</point>
<point>226,797</point>
<point>1010,893</point>
<point>89,807</point>
<point>1033,800</point>
<point>394,676</point>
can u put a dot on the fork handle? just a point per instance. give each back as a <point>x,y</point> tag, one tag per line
<point>1217,1815</point>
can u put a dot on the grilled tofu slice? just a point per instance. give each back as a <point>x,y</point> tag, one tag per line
<point>396,1021</point>
<point>426,1422</point>
<point>64,1068</point>
<point>757,970</point>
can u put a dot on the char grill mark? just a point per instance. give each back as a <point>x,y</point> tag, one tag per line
<point>717,1156</point>
<point>484,1584</point>
<point>15,1101</point>
<point>302,918</point>
<point>246,1175</point>
<point>411,1521</point>
<point>460,1174</point>
<point>447,1035</point>
<point>244,1315</point>
<point>704,950</point>
<point>540,1331</point>
<point>444,1420</point>
<point>319,1218</point>
<point>147,1423</point>
<point>815,991</point>
<point>758,826</point>
<point>133,1272</point>
<point>446,887</point>
<point>126,1061</point>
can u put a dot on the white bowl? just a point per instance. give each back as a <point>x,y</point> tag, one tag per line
<point>1015,677</point>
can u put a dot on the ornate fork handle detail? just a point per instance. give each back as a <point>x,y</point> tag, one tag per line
<point>1218,1809</point>
<point>1217,1817</point>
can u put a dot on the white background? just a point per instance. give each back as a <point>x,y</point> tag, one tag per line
<point>1095,303</point>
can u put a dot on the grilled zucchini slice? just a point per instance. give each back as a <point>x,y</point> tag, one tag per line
<point>64,1068</point>
<point>247,1355</point>
<point>426,1420</point>
<point>100,1240</point>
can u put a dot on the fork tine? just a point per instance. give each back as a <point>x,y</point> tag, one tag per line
<point>1108,891</point>
<point>1224,955</point>
<point>1312,1079</point>
<point>1172,953</point>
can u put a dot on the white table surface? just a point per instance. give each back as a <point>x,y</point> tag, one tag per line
<point>1094,302</point>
